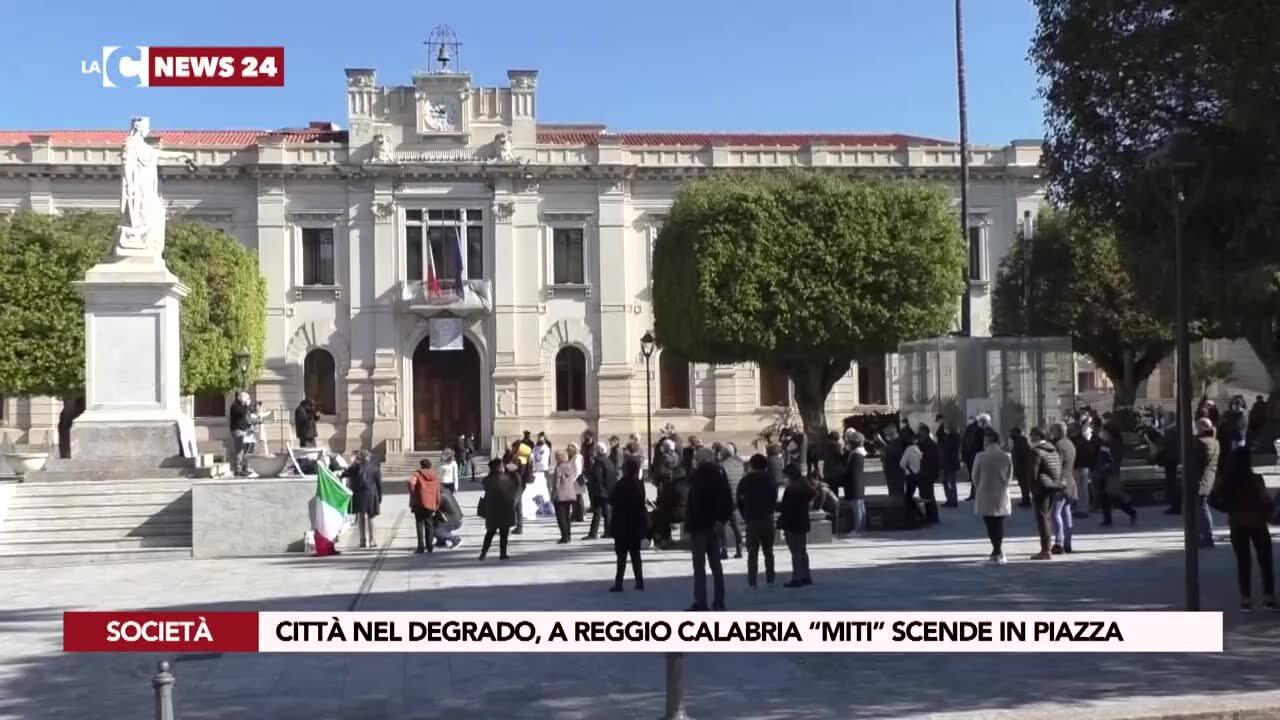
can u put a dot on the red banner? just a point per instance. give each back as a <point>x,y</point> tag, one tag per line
<point>216,66</point>
<point>160,632</point>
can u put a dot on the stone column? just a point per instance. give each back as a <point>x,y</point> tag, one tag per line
<point>615,285</point>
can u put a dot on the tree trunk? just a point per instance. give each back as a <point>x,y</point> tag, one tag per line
<point>1126,393</point>
<point>813,380</point>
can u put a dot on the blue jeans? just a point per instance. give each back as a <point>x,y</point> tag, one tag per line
<point>1205,524</point>
<point>1060,512</point>
<point>859,506</point>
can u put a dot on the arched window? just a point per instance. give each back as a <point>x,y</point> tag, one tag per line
<point>673,382</point>
<point>571,379</point>
<point>319,381</point>
<point>775,390</point>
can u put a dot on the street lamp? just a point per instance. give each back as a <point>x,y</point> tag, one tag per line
<point>242,357</point>
<point>646,349</point>
<point>1178,157</point>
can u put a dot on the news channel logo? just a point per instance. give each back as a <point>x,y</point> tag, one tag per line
<point>119,69</point>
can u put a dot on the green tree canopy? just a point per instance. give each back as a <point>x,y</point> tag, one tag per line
<point>805,272</point>
<point>42,323</point>
<point>1118,77</point>
<point>1080,286</point>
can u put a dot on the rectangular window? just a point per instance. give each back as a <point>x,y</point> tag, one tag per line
<point>210,405</point>
<point>317,256</point>
<point>775,388</point>
<point>976,268</point>
<point>440,232</point>
<point>871,383</point>
<point>567,256</point>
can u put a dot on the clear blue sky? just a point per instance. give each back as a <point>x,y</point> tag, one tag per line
<point>834,65</point>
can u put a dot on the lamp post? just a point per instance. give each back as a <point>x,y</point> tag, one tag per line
<point>242,357</point>
<point>646,349</point>
<point>1177,157</point>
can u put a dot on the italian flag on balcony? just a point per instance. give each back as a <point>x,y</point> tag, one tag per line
<point>328,510</point>
<point>431,281</point>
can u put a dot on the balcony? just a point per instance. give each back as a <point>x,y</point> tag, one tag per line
<point>476,297</point>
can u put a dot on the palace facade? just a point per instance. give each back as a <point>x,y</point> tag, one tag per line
<point>539,237</point>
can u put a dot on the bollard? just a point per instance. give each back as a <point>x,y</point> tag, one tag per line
<point>675,688</point>
<point>163,684</point>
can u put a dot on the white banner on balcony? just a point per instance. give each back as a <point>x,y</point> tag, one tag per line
<point>446,333</point>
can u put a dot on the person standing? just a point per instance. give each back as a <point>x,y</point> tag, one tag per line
<point>1081,434</point>
<point>910,465</point>
<point>757,498</point>
<point>448,471</point>
<point>602,478</point>
<point>1107,476</point>
<point>238,419</point>
<point>580,483</point>
<point>565,494</point>
<point>793,521</point>
<point>424,501</point>
<point>1024,462</point>
<point>710,503</point>
<point>855,486</point>
<point>891,462</point>
<point>1064,500</point>
<point>992,473</point>
<point>733,468</point>
<point>1046,485</point>
<point>1168,458</point>
<point>930,471</point>
<point>972,443</point>
<point>630,522</point>
<point>304,423</point>
<point>616,454</point>
<point>775,462</point>
<point>500,493</point>
<point>365,479</point>
<point>1257,421</point>
<point>949,446</point>
<point>1205,466</point>
<point>1243,495</point>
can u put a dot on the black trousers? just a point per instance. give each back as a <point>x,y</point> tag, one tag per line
<point>422,521</point>
<point>579,509</point>
<point>908,498</point>
<point>564,518</point>
<point>520,508</point>
<point>737,532</point>
<point>623,550</point>
<point>1172,489</point>
<point>600,509</point>
<point>995,532</point>
<point>925,485</point>
<point>1260,539</point>
<point>760,537</point>
<point>1042,504</point>
<point>1110,498</point>
<point>502,533</point>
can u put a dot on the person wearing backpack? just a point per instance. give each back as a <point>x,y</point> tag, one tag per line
<point>1046,485</point>
<point>424,501</point>
<point>1242,494</point>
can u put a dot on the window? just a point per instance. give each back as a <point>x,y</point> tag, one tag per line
<point>673,382</point>
<point>455,239</point>
<point>317,256</point>
<point>571,379</point>
<point>319,383</point>
<point>871,384</point>
<point>210,405</point>
<point>977,269</point>
<point>566,254</point>
<point>775,389</point>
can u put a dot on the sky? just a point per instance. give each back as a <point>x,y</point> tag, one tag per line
<point>708,65</point>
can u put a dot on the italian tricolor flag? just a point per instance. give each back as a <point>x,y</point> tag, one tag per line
<point>328,509</point>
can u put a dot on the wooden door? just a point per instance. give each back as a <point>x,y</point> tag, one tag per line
<point>446,395</point>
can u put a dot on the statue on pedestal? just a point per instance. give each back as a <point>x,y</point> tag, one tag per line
<point>142,210</point>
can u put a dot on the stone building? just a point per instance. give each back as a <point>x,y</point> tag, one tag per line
<point>539,237</point>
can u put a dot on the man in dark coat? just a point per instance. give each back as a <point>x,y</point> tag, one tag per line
<point>973,442</point>
<point>1024,463</point>
<point>601,477</point>
<point>949,446</point>
<point>304,423</point>
<point>1168,458</point>
<point>757,497</point>
<point>1257,420</point>
<point>930,470</point>
<point>710,502</point>
<point>500,488</point>
<point>891,462</point>
<point>733,468</point>
<point>238,419</point>
<point>630,521</point>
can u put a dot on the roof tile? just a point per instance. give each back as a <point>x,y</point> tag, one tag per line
<point>175,138</point>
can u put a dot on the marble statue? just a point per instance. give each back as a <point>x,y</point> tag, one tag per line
<point>383,150</point>
<point>142,210</point>
<point>504,151</point>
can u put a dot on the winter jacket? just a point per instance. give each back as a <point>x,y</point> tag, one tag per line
<point>603,476</point>
<point>710,500</point>
<point>424,490</point>
<point>793,511</point>
<point>949,446</point>
<point>1205,461</point>
<point>1024,461</point>
<point>757,496</point>
<point>500,490</point>
<point>565,483</point>
<point>1047,478</point>
<point>855,486</point>
<point>238,417</point>
<point>1243,494</point>
<point>1067,451</point>
<point>992,473</point>
<point>930,460</point>
<point>630,521</point>
<point>972,443</point>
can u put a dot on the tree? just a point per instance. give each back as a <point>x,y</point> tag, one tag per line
<point>1118,77</point>
<point>42,325</point>
<point>225,310</point>
<point>1081,287</point>
<point>805,273</point>
<point>1208,371</point>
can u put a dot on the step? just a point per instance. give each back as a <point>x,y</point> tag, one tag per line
<point>45,557</point>
<point>104,487</point>
<point>95,533</point>
<point>90,513</point>
<point>152,499</point>
<point>91,546</point>
<point>172,522</point>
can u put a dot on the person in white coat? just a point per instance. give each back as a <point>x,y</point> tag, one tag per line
<point>992,473</point>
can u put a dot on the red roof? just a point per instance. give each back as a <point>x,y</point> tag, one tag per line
<point>592,134</point>
<point>178,138</point>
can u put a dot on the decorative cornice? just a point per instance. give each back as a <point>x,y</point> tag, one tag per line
<point>316,215</point>
<point>384,211</point>
<point>502,211</point>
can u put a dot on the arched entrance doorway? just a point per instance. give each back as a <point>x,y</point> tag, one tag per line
<point>446,395</point>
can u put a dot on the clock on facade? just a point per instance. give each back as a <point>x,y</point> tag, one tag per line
<point>440,114</point>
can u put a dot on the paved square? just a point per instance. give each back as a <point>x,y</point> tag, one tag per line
<point>1128,568</point>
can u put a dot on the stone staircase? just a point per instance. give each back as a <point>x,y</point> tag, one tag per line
<point>86,521</point>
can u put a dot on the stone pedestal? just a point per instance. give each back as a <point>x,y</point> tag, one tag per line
<point>132,372</point>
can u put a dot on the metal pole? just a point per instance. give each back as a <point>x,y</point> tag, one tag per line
<point>966,323</point>
<point>1190,489</point>
<point>162,682</point>
<point>648,412</point>
<point>675,688</point>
